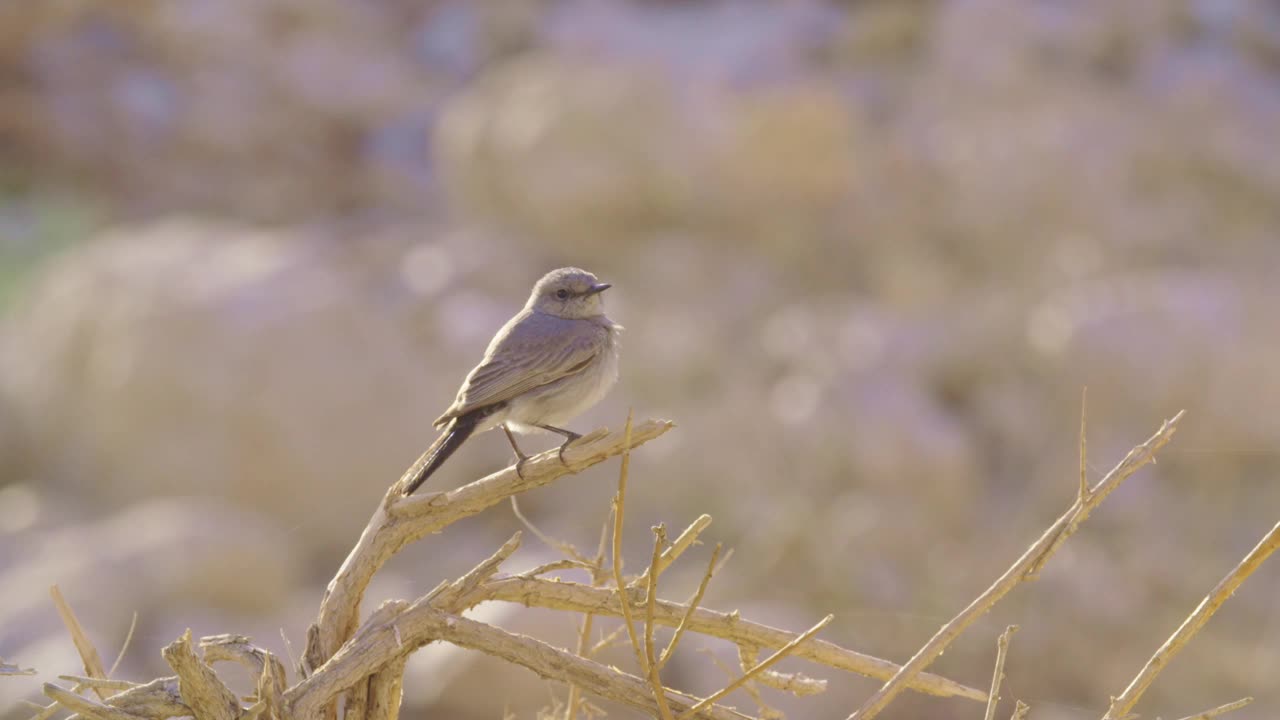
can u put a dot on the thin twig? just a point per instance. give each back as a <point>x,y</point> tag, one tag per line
<point>88,653</point>
<point>104,683</point>
<point>575,693</point>
<point>85,707</point>
<point>124,647</point>
<point>746,658</point>
<point>1220,710</point>
<point>598,577</point>
<point>1025,567</point>
<point>1084,449</point>
<point>606,641</point>
<point>564,547</point>
<point>1020,710</point>
<point>288,650</point>
<point>47,711</point>
<point>563,564</point>
<point>651,596</point>
<point>1225,588</point>
<point>1002,649</point>
<point>159,698</point>
<point>781,653</point>
<point>688,613</point>
<point>683,542</point>
<point>10,669</point>
<point>619,503</point>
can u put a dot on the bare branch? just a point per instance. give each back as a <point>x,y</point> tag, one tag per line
<point>84,706</point>
<point>84,646</point>
<point>1020,711</point>
<point>562,564</point>
<point>537,592</point>
<point>1025,567</point>
<point>650,655</point>
<point>423,623</point>
<point>619,504</point>
<point>124,647</point>
<point>797,684</point>
<point>693,606</point>
<point>685,541</point>
<point>399,521</point>
<point>104,683</point>
<point>1083,493</point>
<point>1002,649</point>
<point>1225,588</point>
<point>157,699</point>
<point>385,689</point>
<point>1220,710</point>
<point>456,592</point>
<point>9,669</point>
<point>271,684</point>
<point>239,649</point>
<point>565,548</point>
<point>781,653</point>
<point>199,686</point>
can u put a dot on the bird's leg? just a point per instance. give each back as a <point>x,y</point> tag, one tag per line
<point>569,435</point>
<point>520,456</point>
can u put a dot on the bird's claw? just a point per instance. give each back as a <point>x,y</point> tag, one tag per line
<point>566,444</point>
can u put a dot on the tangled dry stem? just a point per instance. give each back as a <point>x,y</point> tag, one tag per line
<point>362,664</point>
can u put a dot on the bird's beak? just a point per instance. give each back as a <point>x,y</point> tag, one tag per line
<point>599,288</point>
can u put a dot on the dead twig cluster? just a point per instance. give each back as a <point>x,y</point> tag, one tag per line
<point>354,669</point>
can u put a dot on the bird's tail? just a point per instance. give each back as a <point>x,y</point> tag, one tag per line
<point>455,433</point>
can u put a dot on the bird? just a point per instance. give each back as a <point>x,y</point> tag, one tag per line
<point>549,363</point>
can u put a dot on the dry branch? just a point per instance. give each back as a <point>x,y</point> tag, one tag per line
<point>199,686</point>
<point>1024,568</point>
<point>1220,710</point>
<point>1225,588</point>
<point>619,507</point>
<point>84,706</point>
<point>423,623</point>
<point>104,683</point>
<point>693,606</point>
<point>685,541</point>
<point>650,654</point>
<point>1002,649</point>
<point>759,668</point>
<point>239,649</point>
<point>9,669</point>
<point>385,689</point>
<point>157,699</point>
<point>573,597</point>
<point>88,653</point>
<point>399,521</point>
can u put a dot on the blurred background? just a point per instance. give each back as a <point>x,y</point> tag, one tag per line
<point>867,253</point>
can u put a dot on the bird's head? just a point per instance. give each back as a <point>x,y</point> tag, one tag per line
<point>568,293</point>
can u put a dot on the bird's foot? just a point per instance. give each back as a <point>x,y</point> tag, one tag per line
<point>574,437</point>
<point>520,456</point>
<point>521,459</point>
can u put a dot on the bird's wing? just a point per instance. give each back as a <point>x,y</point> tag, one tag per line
<point>531,351</point>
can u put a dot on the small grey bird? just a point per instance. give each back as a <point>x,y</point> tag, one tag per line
<point>552,361</point>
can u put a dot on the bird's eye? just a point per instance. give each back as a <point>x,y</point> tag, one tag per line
<point>562,294</point>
